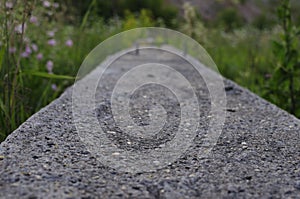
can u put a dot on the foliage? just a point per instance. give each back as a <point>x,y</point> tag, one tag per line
<point>284,86</point>
<point>40,52</point>
<point>144,19</point>
<point>263,21</point>
<point>28,70</point>
<point>192,26</point>
<point>229,19</point>
<point>159,9</point>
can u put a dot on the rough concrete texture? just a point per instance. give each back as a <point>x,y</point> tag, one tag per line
<point>256,156</point>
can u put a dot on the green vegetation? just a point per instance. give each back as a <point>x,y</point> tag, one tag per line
<point>284,87</point>
<point>43,43</point>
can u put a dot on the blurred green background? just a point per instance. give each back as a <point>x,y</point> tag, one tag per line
<point>43,43</point>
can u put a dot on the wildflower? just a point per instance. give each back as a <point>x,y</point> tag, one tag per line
<point>9,5</point>
<point>26,39</point>
<point>69,43</point>
<point>28,50</point>
<point>34,20</point>
<point>51,33</point>
<point>12,50</point>
<point>52,42</point>
<point>39,56</point>
<point>54,87</point>
<point>34,47</point>
<point>46,4</point>
<point>56,5</point>
<point>20,28</point>
<point>24,54</point>
<point>49,66</point>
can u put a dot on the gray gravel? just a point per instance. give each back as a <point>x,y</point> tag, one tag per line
<point>256,156</point>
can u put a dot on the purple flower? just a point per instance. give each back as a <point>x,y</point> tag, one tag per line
<point>9,5</point>
<point>19,28</point>
<point>34,47</point>
<point>52,42</point>
<point>25,54</point>
<point>69,43</point>
<point>55,5</point>
<point>54,87</point>
<point>49,66</point>
<point>39,56</point>
<point>51,33</point>
<point>12,50</point>
<point>28,50</point>
<point>34,20</point>
<point>46,4</point>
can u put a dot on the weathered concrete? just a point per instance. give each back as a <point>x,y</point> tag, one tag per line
<point>256,156</point>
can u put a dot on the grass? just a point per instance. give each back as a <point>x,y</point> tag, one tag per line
<point>243,56</point>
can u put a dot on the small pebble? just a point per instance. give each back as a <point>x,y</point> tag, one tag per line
<point>123,187</point>
<point>38,177</point>
<point>297,184</point>
<point>156,162</point>
<point>116,153</point>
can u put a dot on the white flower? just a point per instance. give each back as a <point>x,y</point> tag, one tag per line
<point>19,28</point>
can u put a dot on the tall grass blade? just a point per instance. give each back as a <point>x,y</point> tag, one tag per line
<point>47,75</point>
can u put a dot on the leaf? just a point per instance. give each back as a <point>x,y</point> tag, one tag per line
<point>2,107</point>
<point>86,16</point>
<point>2,52</point>
<point>276,45</point>
<point>297,31</point>
<point>47,75</point>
